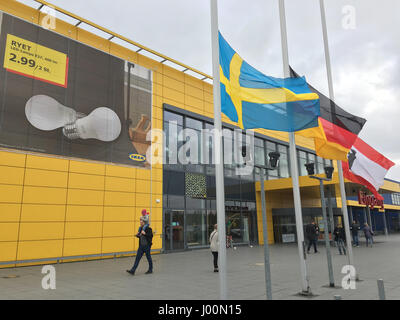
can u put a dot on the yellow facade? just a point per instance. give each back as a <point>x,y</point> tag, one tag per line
<point>55,208</point>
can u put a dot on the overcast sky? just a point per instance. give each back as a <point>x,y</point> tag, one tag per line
<point>365,60</point>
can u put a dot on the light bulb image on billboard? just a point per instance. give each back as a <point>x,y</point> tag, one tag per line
<point>59,96</point>
<point>45,113</point>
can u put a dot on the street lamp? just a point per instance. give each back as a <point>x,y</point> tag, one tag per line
<point>310,168</point>
<point>273,160</point>
<point>328,172</point>
<point>272,165</point>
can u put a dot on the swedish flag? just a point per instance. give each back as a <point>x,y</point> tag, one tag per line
<point>254,100</point>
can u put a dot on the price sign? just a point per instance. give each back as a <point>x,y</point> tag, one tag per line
<point>35,61</point>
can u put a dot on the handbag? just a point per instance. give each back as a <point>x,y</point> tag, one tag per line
<point>143,241</point>
<point>214,232</point>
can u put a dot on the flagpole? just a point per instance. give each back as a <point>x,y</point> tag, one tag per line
<point>219,165</point>
<point>293,163</point>
<point>339,162</point>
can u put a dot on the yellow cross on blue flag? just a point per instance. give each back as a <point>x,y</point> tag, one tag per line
<point>254,100</point>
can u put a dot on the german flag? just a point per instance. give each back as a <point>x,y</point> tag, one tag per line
<point>337,130</point>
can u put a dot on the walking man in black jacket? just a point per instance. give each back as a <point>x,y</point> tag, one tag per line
<point>312,232</point>
<point>145,235</point>
<point>340,238</point>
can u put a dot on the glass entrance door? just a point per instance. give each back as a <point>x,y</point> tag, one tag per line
<point>249,227</point>
<point>233,226</point>
<point>177,227</point>
<point>167,231</point>
<point>174,230</point>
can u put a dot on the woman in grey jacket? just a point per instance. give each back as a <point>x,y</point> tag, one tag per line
<point>214,247</point>
<point>368,234</point>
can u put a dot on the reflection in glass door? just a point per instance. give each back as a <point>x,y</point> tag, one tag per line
<point>233,226</point>
<point>174,230</point>
<point>247,224</point>
<point>177,226</point>
<point>196,228</point>
<point>167,231</point>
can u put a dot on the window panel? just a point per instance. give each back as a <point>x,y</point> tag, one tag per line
<point>320,165</point>
<point>174,183</point>
<point>259,156</point>
<point>192,203</point>
<point>172,145</point>
<point>208,147</point>
<point>170,116</point>
<point>312,158</point>
<point>228,146</point>
<point>176,202</point>
<point>194,124</point>
<point>328,163</point>
<point>302,156</point>
<point>247,190</point>
<point>259,142</point>
<point>283,162</point>
<point>211,192</point>
<point>193,146</point>
<point>232,188</point>
<point>396,198</point>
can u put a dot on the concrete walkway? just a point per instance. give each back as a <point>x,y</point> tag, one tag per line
<point>189,275</point>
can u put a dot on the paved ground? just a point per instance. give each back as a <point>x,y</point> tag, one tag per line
<point>189,275</point>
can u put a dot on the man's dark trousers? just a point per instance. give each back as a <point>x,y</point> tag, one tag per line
<point>312,242</point>
<point>143,250</point>
<point>355,239</point>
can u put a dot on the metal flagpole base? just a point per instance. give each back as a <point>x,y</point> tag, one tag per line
<point>307,294</point>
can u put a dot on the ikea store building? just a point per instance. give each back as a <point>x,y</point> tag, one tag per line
<point>75,167</point>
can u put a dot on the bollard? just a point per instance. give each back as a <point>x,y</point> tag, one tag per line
<point>381,290</point>
<point>338,297</point>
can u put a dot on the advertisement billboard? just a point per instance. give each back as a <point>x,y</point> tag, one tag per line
<point>61,97</point>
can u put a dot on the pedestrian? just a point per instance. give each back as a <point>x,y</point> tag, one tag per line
<point>340,238</point>
<point>229,239</point>
<point>368,234</point>
<point>355,227</point>
<point>312,232</point>
<point>214,243</point>
<point>145,235</point>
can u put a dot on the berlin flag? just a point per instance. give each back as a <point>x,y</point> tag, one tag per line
<point>366,166</point>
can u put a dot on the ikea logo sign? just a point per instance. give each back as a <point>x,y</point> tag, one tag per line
<point>137,157</point>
